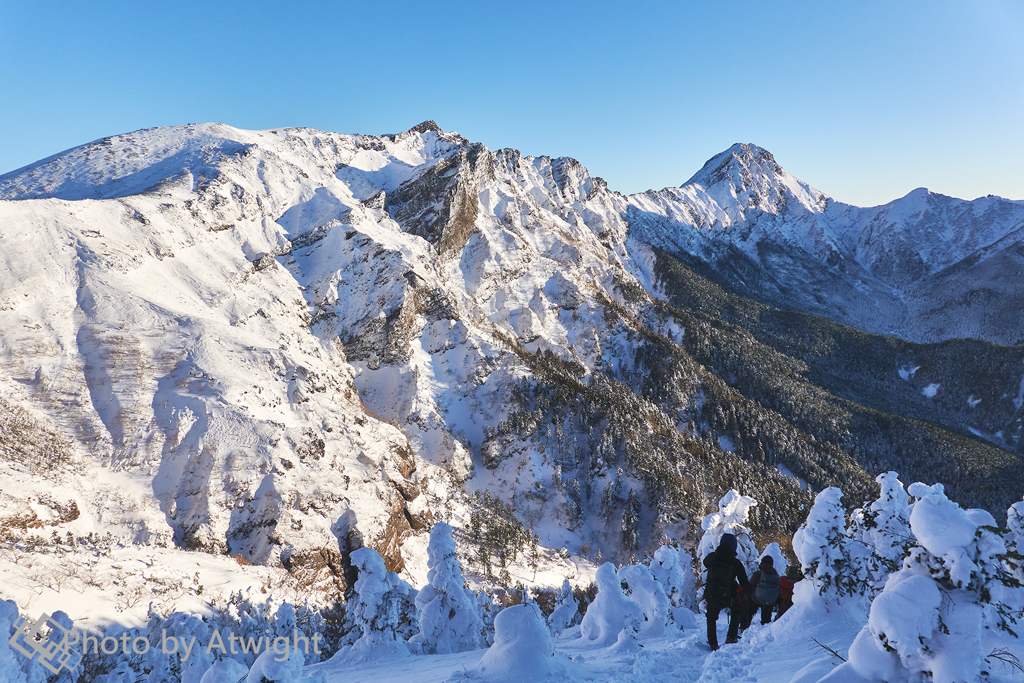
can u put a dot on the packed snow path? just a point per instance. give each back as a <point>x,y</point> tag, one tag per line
<point>760,656</point>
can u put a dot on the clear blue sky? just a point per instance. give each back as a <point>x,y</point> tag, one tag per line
<point>864,100</point>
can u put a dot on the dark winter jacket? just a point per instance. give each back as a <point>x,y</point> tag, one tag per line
<point>724,570</point>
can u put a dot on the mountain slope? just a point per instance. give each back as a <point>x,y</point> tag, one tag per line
<point>286,344</point>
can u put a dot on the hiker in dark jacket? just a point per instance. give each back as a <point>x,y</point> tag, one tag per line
<point>724,570</point>
<point>765,591</point>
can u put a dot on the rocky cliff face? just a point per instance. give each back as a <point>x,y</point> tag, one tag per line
<point>285,344</point>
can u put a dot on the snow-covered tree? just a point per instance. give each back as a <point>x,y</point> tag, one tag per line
<point>566,609</point>
<point>224,671</point>
<point>673,568</point>
<point>379,609</point>
<point>449,621</point>
<point>1012,594</point>
<point>631,524</point>
<point>612,614</point>
<point>774,551</point>
<point>733,511</point>
<point>10,670</point>
<point>523,649</point>
<point>823,548</point>
<point>649,594</point>
<point>1015,523</point>
<point>929,619</point>
<point>488,609</point>
<point>881,533</point>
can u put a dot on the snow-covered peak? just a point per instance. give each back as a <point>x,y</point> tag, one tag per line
<point>749,176</point>
<point>736,200</point>
<point>925,232</point>
<point>125,164</point>
<point>740,158</point>
<point>141,161</point>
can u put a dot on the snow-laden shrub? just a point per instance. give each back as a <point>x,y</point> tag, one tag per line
<point>611,614</point>
<point>123,673</point>
<point>928,621</point>
<point>823,549</point>
<point>1013,592</point>
<point>173,666</point>
<point>566,609</point>
<point>10,668</point>
<point>448,620</point>
<point>488,609</point>
<point>277,667</point>
<point>733,511</point>
<point>648,593</point>
<point>224,671</point>
<point>1015,523</point>
<point>523,649</point>
<point>673,568</point>
<point>881,533</point>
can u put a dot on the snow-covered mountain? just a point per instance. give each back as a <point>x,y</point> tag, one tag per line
<point>925,267</point>
<point>282,345</point>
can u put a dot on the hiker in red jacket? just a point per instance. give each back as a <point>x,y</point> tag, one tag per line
<point>786,584</point>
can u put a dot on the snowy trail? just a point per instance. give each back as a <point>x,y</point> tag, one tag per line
<point>685,659</point>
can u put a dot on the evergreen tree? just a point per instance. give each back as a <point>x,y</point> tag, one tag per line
<point>823,548</point>
<point>379,609</point>
<point>881,533</point>
<point>448,617</point>
<point>949,578</point>
<point>673,568</point>
<point>566,609</point>
<point>732,515</point>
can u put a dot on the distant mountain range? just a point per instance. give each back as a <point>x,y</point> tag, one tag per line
<point>287,344</point>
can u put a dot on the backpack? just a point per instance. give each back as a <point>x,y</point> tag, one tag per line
<point>720,588</point>
<point>767,591</point>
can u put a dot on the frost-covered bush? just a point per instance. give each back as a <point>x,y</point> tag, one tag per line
<point>523,648</point>
<point>928,621</point>
<point>733,511</point>
<point>488,609</point>
<point>673,568</point>
<point>448,617</point>
<point>648,593</point>
<point>611,614</point>
<point>10,670</point>
<point>224,671</point>
<point>566,609</point>
<point>823,549</point>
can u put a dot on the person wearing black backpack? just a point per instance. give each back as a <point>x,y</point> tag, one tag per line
<point>765,593</point>
<point>724,570</point>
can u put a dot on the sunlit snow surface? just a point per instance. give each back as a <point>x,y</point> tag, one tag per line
<point>791,650</point>
<point>170,303</point>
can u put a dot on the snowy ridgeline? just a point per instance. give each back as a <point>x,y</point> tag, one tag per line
<point>913,588</point>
